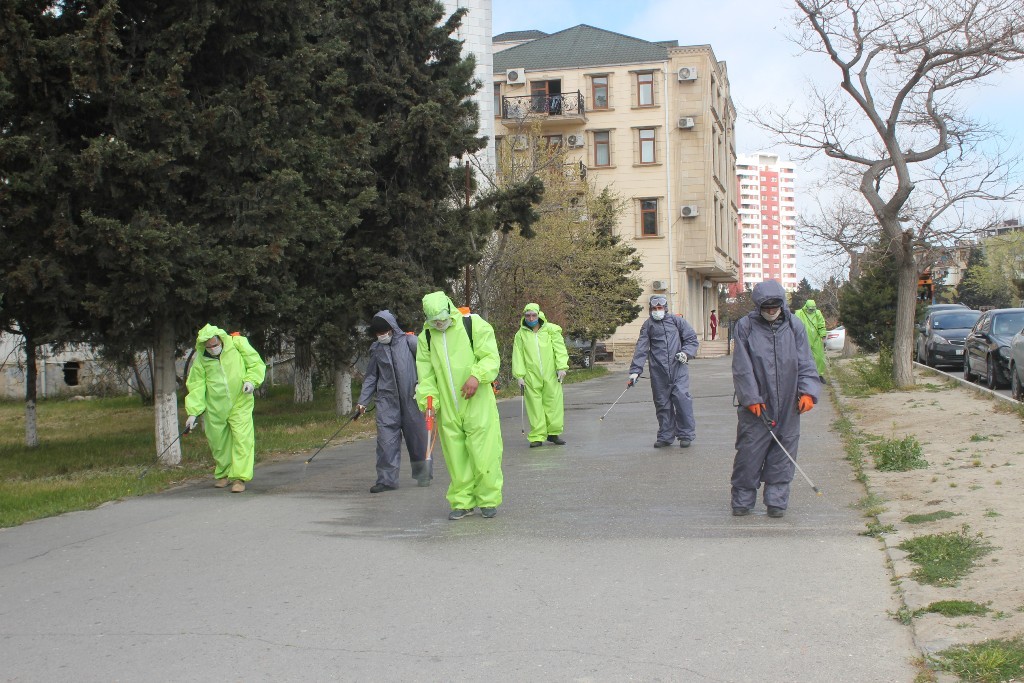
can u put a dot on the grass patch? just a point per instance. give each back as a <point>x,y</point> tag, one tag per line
<point>572,376</point>
<point>954,608</point>
<point>930,517</point>
<point>867,375</point>
<point>989,662</point>
<point>876,529</point>
<point>979,437</point>
<point>944,559</point>
<point>902,455</point>
<point>871,505</point>
<point>92,452</point>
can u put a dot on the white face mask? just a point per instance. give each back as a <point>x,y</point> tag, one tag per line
<point>658,315</point>
<point>215,350</point>
<point>384,338</point>
<point>442,325</point>
<point>773,316</point>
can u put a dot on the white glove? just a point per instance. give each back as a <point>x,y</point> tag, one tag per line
<point>633,378</point>
<point>190,423</point>
<point>682,358</point>
<point>248,388</point>
<point>561,376</point>
<point>522,383</point>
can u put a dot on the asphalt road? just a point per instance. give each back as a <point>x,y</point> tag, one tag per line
<point>609,561</point>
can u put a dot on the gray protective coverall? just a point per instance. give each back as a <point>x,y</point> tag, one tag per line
<point>658,344</point>
<point>772,365</point>
<point>391,375</point>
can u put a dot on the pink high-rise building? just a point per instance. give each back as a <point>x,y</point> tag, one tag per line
<point>767,220</point>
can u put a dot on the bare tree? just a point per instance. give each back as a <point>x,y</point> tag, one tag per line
<point>896,119</point>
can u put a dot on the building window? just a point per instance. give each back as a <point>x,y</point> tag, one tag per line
<point>645,89</point>
<point>499,152</point>
<point>647,146</point>
<point>602,148</point>
<point>599,98</point>
<point>497,100</point>
<point>552,140</point>
<point>649,217</point>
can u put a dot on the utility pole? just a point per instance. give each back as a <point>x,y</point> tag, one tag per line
<point>469,290</point>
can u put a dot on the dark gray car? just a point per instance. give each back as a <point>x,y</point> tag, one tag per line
<point>941,341</point>
<point>987,346</point>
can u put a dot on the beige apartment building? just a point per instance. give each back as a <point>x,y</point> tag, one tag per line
<point>655,122</point>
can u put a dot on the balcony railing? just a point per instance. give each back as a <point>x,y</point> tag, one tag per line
<point>569,105</point>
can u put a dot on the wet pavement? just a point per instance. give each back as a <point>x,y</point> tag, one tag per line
<point>609,561</point>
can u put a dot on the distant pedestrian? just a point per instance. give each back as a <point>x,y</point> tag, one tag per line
<point>539,363</point>
<point>456,355</point>
<point>774,377</point>
<point>814,324</point>
<point>667,343</point>
<point>391,377</point>
<point>226,372</point>
<point>714,324</point>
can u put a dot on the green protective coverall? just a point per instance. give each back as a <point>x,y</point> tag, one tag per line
<point>469,428</point>
<point>215,391</point>
<point>537,355</point>
<point>814,323</point>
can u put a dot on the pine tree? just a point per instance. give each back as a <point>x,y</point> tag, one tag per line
<point>867,305</point>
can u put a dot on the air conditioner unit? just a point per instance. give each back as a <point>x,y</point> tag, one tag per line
<point>659,285</point>
<point>515,76</point>
<point>574,140</point>
<point>686,122</point>
<point>687,73</point>
<point>689,211</point>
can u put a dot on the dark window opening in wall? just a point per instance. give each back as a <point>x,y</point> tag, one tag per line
<point>546,97</point>
<point>649,217</point>
<point>71,369</point>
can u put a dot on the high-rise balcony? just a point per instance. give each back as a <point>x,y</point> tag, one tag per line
<point>548,109</point>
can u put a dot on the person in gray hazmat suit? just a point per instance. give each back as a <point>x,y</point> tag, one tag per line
<point>774,375</point>
<point>668,343</point>
<point>391,375</point>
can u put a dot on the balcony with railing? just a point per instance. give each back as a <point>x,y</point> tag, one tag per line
<point>563,107</point>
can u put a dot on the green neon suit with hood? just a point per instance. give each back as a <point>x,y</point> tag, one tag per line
<point>469,429</point>
<point>537,355</point>
<point>215,392</point>
<point>814,323</point>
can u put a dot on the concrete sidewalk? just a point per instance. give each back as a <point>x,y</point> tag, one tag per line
<point>609,561</point>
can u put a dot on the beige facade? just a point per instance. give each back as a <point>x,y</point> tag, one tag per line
<point>661,134</point>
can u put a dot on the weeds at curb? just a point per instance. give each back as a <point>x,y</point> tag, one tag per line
<point>954,608</point>
<point>989,662</point>
<point>944,559</point>
<point>930,517</point>
<point>898,455</point>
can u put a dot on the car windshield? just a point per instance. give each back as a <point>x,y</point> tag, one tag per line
<point>955,321</point>
<point>1008,323</point>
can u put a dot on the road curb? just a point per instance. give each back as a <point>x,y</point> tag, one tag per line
<point>977,388</point>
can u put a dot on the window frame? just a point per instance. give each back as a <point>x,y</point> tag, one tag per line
<point>594,89</point>
<point>640,85</point>
<point>644,212</point>
<point>607,145</point>
<point>653,144</point>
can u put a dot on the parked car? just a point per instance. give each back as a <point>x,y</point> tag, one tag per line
<point>928,310</point>
<point>1017,365</point>
<point>835,339</point>
<point>579,352</point>
<point>987,346</point>
<point>942,339</point>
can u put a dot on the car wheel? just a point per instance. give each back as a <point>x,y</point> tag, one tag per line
<point>1015,385</point>
<point>968,376</point>
<point>992,378</point>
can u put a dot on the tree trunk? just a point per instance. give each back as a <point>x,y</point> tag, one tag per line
<point>303,371</point>
<point>31,427</point>
<point>906,311</point>
<point>165,397</point>
<point>342,389</point>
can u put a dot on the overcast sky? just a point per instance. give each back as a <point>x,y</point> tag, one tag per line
<point>751,37</point>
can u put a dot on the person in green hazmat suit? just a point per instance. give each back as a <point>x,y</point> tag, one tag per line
<point>539,363</point>
<point>226,372</point>
<point>814,323</point>
<point>456,361</point>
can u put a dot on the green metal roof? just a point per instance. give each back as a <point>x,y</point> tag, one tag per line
<point>579,46</point>
<point>512,36</point>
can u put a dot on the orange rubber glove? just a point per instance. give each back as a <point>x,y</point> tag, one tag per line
<point>805,403</point>
<point>756,408</point>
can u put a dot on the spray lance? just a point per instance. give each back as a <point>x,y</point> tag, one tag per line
<point>629,385</point>
<point>355,416</point>
<point>770,424</point>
